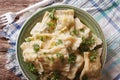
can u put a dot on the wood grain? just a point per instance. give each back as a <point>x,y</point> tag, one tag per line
<point>7,6</point>
<point>14,5</point>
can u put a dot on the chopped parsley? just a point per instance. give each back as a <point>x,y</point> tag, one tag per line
<point>50,58</point>
<point>85,78</point>
<point>32,68</point>
<point>51,24</point>
<point>82,30</point>
<point>86,44</point>
<point>75,32</point>
<point>59,55</point>
<point>88,41</point>
<point>36,47</point>
<point>41,38</point>
<point>92,56</point>
<point>55,76</point>
<point>69,49</point>
<point>72,58</point>
<point>58,42</point>
<point>44,53</point>
<point>28,39</point>
<point>52,16</point>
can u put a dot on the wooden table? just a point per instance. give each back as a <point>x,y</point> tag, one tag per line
<point>5,6</point>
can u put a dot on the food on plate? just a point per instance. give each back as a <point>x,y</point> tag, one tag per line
<point>61,47</point>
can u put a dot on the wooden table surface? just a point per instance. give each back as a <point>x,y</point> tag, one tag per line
<point>5,6</point>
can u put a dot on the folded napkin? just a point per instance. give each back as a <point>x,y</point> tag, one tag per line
<point>107,14</point>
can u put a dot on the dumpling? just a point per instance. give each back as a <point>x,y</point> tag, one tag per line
<point>74,67</point>
<point>65,18</point>
<point>82,29</point>
<point>78,24</point>
<point>40,27</point>
<point>98,42</point>
<point>36,29</point>
<point>72,42</point>
<point>44,22</point>
<point>29,45</point>
<point>91,69</point>
<point>29,55</point>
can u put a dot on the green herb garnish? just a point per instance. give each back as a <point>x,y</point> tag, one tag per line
<point>75,32</point>
<point>51,24</point>
<point>85,78</point>
<point>59,42</point>
<point>60,56</point>
<point>44,53</point>
<point>55,76</point>
<point>32,68</point>
<point>83,48</point>
<point>69,49</point>
<point>82,30</point>
<point>50,58</point>
<point>72,58</point>
<point>52,16</point>
<point>28,39</point>
<point>86,43</point>
<point>36,47</point>
<point>92,56</point>
<point>41,38</point>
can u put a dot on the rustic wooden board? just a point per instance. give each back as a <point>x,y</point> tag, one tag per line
<point>5,6</point>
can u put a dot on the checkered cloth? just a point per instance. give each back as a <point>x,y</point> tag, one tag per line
<point>107,14</point>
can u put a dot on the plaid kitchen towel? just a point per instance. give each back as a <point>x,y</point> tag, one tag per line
<point>105,12</point>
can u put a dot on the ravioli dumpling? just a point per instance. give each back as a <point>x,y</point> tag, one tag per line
<point>91,69</point>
